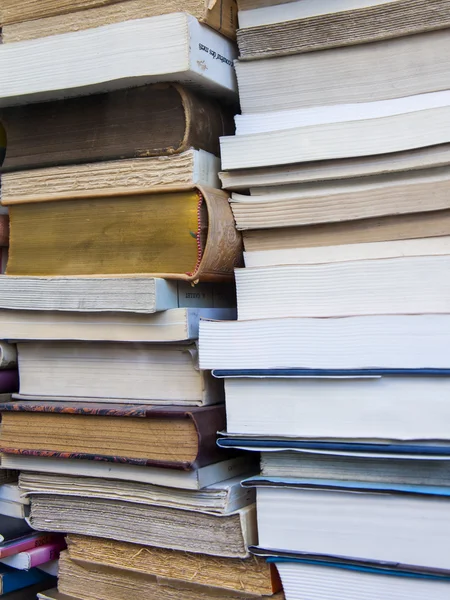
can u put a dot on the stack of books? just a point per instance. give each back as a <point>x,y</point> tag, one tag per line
<point>337,368</point>
<point>120,241</point>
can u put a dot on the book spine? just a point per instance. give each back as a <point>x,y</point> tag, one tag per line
<point>39,556</point>
<point>17,580</point>
<point>26,544</point>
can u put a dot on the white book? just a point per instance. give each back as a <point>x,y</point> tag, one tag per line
<point>268,179</point>
<point>319,581</point>
<point>393,286</point>
<point>384,70</point>
<point>10,492</point>
<point>17,510</point>
<point>106,294</point>
<point>384,342</point>
<point>219,498</point>
<point>298,9</point>
<point>173,325</point>
<point>344,139</point>
<point>348,252</point>
<point>51,568</point>
<point>187,480</point>
<point>174,47</point>
<point>344,200</point>
<point>355,520</point>
<point>352,409</point>
<point>187,169</point>
<point>101,372</point>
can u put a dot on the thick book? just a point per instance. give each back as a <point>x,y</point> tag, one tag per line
<point>385,342</point>
<point>152,120</point>
<point>331,139</point>
<point>251,575</point>
<point>384,70</point>
<point>344,200</point>
<point>331,408</point>
<point>406,285</point>
<point>161,173</point>
<point>13,579</point>
<point>127,235</point>
<point>146,295</point>
<point>365,521</point>
<point>52,18</point>
<point>336,580</point>
<point>115,372</point>
<point>195,479</point>
<point>85,62</point>
<point>413,226</point>
<point>317,25</point>
<point>137,434</point>
<point>268,179</point>
<point>421,247</point>
<point>117,584</point>
<point>35,557</point>
<point>175,529</point>
<point>221,498</point>
<point>356,466</point>
<point>173,325</point>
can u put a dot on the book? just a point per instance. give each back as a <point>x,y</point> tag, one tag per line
<point>138,434</point>
<point>201,242</point>
<point>356,466</point>
<point>221,498</point>
<point>385,342</point>
<point>266,179</point>
<point>142,122</point>
<point>51,567</point>
<point>402,286</point>
<point>27,542</point>
<point>251,575</point>
<point>331,578</point>
<point>383,70</point>
<point>8,475</point>
<point>80,63</point>
<point>173,325</point>
<point>17,510</point>
<point>420,247</point>
<point>4,229</point>
<point>195,479</point>
<point>330,408</point>
<point>60,17</point>
<point>12,579</point>
<point>115,372</point>
<point>340,139</point>
<point>145,295</point>
<point>12,529</point>
<point>118,584</point>
<point>35,557</point>
<point>411,226</point>
<point>309,26</point>
<point>365,521</point>
<point>175,529</point>
<point>29,593</point>
<point>160,173</point>
<point>343,200</point>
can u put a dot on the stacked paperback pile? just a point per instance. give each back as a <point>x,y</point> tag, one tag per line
<point>337,369</point>
<point>120,242</point>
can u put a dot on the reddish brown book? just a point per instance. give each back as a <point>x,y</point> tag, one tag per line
<point>137,434</point>
<point>4,231</point>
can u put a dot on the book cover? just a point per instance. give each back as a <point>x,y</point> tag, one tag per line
<point>35,556</point>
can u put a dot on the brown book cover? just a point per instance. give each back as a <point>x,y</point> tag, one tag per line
<point>169,430</point>
<point>152,120</point>
<point>187,235</point>
<point>4,230</point>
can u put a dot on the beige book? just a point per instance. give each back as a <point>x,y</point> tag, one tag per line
<point>175,529</point>
<point>402,227</point>
<point>267,179</point>
<point>89,582</point>
<point>163,173</point>
<point>252,575</point>
<point>29,19</point>
<point>344,200</point>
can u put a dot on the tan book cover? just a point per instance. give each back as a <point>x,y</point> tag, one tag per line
<point>29,19</point>
<point>191,236</point>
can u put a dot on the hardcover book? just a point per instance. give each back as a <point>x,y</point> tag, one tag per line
<point>152,120</point>
<point>187,235</point>
<point>137,434</point>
